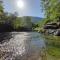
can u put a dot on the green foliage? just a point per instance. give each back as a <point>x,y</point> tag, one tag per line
<point>52,12</point>
<point>13,21</point>
<point>53,46</point>
<point>26,22</point>
<point>1,7</point>
<point>54,51</point>
<point>52,9</point>
<point>1,10</point>
<point>16,23</point>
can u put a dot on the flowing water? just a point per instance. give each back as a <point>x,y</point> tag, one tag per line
<point>22,46</point>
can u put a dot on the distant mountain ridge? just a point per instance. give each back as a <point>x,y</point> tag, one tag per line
<point>35,19</point>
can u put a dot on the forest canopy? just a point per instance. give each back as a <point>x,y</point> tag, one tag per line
<point>52,9</point>
<point>11,21</point>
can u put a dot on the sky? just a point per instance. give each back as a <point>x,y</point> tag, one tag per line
<point>31,8</point>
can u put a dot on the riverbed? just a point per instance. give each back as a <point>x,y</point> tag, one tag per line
<point>22,46</point>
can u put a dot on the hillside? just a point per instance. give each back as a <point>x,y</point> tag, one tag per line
<point>36,19</point>
<point>33,19</point>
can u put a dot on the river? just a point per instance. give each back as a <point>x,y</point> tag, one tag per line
<point>22,46</point>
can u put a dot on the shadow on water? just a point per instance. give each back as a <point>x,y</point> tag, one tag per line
<point>5,37</point>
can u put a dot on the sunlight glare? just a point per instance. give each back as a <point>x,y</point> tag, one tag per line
<point>20,4</point>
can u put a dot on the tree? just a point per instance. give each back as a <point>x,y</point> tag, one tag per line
<point>17,23</point>
<point>26,22</point>
<point>1,10</point>
<point>52,9</point>
<point>1,7</point>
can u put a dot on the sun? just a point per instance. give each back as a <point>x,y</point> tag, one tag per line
<point>20,4</point>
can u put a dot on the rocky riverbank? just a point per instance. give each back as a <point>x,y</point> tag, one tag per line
<point>52,28</point>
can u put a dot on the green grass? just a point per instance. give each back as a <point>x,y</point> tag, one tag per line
<point>53,47</point>
<point>54,51</point>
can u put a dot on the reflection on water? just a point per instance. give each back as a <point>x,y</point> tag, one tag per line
<point>53,47</point>
<point>22,46</point>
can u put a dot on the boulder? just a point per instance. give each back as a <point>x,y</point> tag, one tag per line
<point>53,28</point>
<point>58,23</point>
<point>51,23</point>
<point>57,33</point>
<point>50,27</point>
<point>51,31</point>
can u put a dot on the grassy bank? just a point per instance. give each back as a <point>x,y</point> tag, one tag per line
<point>53,47</point>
